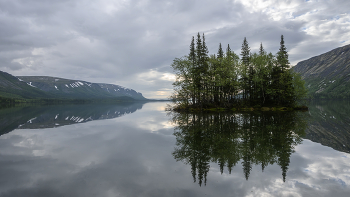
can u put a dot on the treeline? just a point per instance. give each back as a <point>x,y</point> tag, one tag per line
<point>225,80</point>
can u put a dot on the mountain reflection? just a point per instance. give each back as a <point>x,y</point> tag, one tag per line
<point>50,116</point>
<point>329,124</point>
<point>227,139</point>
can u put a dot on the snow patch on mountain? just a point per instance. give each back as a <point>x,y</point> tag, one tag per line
<point>30,121</point>
<point>30,83</point>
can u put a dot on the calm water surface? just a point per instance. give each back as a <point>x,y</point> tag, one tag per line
<point>138,149</point>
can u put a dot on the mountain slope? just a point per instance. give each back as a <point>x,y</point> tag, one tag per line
<point>12,87</point>
<point>327,75</point>
<point>40,87</point>
<point>79,89</point>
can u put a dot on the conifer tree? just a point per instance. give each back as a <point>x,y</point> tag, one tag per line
<point>199,68</point>
<point>205,68</point>
<point>283,77</point>
<point>233,72</point>
<point>218,71</point>
<point>262,75</point>
<point>261,50</point>
<point>192,58</point>
<point>192,54</point>
<point>199,49</point>
<point>220,52</point>
<point>282,56</point>
<point>245,52</point>
<point>246,83</point>
<point>228,50</point>
<point>205,48</point>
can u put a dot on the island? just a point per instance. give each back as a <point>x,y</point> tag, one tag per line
<point>223,81</point>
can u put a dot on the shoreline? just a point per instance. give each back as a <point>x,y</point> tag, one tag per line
<point>237,109</point>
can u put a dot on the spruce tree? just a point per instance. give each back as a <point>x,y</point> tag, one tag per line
<point>245,52</point>
<point>199,49</point>
<point>192,58</point>
<point>246,81</point>
<point>199,68</point>
<point>228,50</point>
<point>192,54</point>
<point>284,77</point>
<point>205,77</point>
<point>282,56</point>
<point>261,50</point>
<point>205,50</point>
<point>220,52</point>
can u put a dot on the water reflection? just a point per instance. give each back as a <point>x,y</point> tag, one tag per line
<point>132,156</point>
<point>50,116</point>
<point>329,124</point>
<point>227,139</point>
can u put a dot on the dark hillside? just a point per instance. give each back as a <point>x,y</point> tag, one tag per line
<point>11,86</point>
<point>327,75</point>
<point>68,88</point>
<point>43,87</point>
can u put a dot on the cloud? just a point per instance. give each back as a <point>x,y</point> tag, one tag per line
<point>118,41</point>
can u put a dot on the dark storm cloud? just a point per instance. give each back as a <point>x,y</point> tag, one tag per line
<point>119,41</point>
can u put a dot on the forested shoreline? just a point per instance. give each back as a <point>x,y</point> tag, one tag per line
<point>224,80</point>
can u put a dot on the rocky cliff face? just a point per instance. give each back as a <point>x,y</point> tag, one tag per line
<point>327,75</point>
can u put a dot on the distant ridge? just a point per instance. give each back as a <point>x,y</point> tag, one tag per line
<point>79,89</point>
<point>34,87</point>
<point>327,76</point>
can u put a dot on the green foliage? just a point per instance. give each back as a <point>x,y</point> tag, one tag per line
<point>300,91</point>
<point>225,80</point>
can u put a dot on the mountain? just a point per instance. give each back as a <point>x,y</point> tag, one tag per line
<point>12,87</point>
<point>327,75</point>
<point>68,88</point>
<point>39,87</point>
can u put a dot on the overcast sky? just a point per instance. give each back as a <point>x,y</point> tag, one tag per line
<point>132,42</point>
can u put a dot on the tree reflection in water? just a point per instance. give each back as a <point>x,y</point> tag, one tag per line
<point>259,138</point>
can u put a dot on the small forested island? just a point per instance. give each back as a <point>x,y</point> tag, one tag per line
<point>223,81</point>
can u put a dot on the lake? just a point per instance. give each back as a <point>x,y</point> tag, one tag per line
<point>139,149</point>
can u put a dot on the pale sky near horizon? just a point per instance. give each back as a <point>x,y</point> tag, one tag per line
<point>132,43</point>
